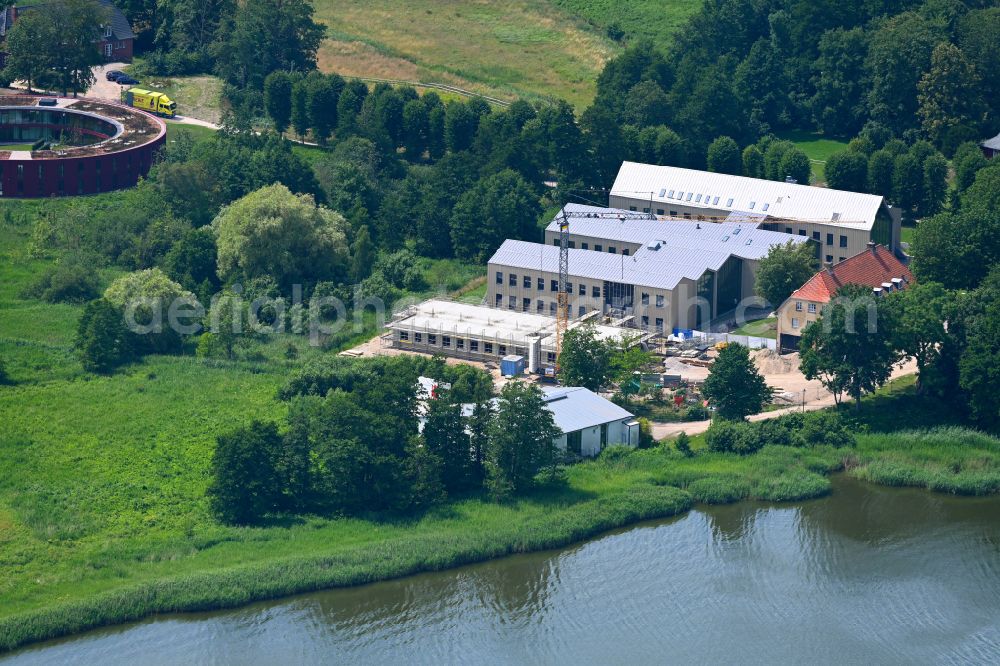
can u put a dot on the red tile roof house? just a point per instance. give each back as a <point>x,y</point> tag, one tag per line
<point>115,43</point>
<point>877,268</point>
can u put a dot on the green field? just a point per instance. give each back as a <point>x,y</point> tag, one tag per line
<point>816,147</point>
<point>521,48</point>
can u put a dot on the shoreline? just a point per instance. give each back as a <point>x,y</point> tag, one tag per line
<point>785,475</point>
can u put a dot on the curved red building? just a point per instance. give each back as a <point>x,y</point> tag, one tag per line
<point>88,146</point>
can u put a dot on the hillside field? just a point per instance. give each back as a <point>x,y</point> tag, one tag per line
<point>520,48</point>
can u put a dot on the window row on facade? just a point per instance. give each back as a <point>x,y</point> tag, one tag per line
<point>468,345</point>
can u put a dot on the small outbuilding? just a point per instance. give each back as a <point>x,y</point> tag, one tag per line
<point>991,147</point>
<point>589,423</point>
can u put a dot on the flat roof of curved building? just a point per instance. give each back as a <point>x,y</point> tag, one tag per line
<point>133,128</point>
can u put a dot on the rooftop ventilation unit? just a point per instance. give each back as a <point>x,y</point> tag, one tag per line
<point>653,246</point>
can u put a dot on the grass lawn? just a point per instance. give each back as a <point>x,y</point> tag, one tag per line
<point>196,96</point>
<point>521,48</point>
<point>906,233</point>
<point>761,328</point>
<point>656,20</point>
<point>816,147</point>
<point>16,146</point>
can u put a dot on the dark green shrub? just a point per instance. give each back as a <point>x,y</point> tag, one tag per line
<point>71,282</point>
<point>696,412</point>
<point>733,437</point>
<point>825,427</point>
<point>683,444</point>
<point>615,452</point>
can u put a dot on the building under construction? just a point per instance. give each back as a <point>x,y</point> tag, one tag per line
<point>658,275</point>
<point>479,333</point>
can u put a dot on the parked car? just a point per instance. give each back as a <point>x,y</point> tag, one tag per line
<point>127,80</point>
<point>114,75</point>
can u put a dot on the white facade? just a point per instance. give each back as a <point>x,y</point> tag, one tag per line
<point>589,422</point>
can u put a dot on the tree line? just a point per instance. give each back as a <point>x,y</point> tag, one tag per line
<point>359,440</point>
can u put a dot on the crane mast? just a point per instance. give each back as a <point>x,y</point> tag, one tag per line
<point>562,306</point>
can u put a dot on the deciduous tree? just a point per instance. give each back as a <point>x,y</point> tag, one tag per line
<point>734,386</point>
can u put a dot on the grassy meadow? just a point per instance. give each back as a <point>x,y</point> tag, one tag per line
<point>522,48</point>
<point>817,148</point>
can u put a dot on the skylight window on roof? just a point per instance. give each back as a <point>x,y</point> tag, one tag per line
<point>715,201</point>
<point>729,203</point>
<point>737,230</point>
<point>697,199</point>
<point>725,238</point>
<point>662,192</point>
<point>752,204</point>
<point>766,206</point>
<point>690,194</point>
<point>836,217</point>
<point>749,240</point>
<point>780,199</point>
<point>671,195</point>
<point>680,195</point>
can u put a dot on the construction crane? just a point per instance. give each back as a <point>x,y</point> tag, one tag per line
<point>562,311</point>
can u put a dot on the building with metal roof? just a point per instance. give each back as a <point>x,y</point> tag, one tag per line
<point>991,147</point>
<point>589,423</point>
<point>659,274</point>
<point>842,222</point>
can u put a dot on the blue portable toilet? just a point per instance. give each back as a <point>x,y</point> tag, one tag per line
<point>512,366</point>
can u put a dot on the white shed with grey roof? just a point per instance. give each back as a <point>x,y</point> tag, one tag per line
<point>589,423</point>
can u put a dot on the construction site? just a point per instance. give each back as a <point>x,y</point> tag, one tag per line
<point>487,335</point>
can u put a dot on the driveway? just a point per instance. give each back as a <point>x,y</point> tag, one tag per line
<point>104,89</point>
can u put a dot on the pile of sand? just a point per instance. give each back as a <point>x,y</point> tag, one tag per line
<point>769,362</point>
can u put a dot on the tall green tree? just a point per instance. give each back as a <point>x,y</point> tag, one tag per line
<point>784,269</point>
<point>299,117</point>
<point>498,207</point>
<point>899,54</point>
<point>25,60</point>
<point>850,347</point>
<point>444,436</point>
<point>322,95</point>
<point>847,170</point>
<point>841,81</point>
<point>264,36</point>
<point>734,385</point>
<point>952,108</point>
<point>287,237</point>
<point>102,340</point>
<point>724,156</point>
<point>521,440</point>
<point>278,99</point>
<point>585,359</point>
<point>919,332</point>
<point>246,483</point>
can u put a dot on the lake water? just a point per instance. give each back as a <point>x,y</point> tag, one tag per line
<point>867,575</point>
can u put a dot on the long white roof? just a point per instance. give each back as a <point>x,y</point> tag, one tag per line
<point>719,191</point>
<point>741,236</point>
<point>465,319</point>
